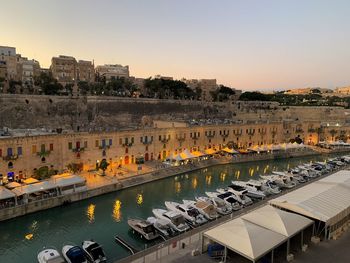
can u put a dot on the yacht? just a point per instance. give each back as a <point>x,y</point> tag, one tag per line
<point>94,251</point>
<point>296,178</point>
<point>190,213</point>
<point>264,186</point>
<point>50,255</point>
<point>239,194</point>
<point>281,182</point>
<point>220,205</point>
<point>162,226</point>
<point>207,209</point>
<point>74,254</point>
<point>228,198</point>
<point>175,219</point>
<point>253,192</point>
<point>144,228</point>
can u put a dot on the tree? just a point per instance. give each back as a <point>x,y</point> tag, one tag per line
<point>103,166</point>
<point>48,84</point>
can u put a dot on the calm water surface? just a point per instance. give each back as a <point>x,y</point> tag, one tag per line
<point>102,217</point>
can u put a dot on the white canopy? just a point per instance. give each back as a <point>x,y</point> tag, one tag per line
<point>68,180</point>
<point>327,200</point>
<point>33,188</point>
<point>6,193</point>
<point>285,223</point>
<point>245,238</point>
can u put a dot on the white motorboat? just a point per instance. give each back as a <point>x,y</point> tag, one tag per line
<point>239,194</point>
<point>191,214</point>
<point>281,182</point>
<point>253,192</point>
<point>296,178</point>
<point>162,226</point>
<point>143,227</point>
<point>207,209</point>
<point>228,198</point>
<point>94,251</point>
<point>220,205</point>
<point>50,255</point>
<point>264,186</point>
<point>74,254</point>
<point>175,219</point>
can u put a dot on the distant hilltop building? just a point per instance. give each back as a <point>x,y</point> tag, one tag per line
<point>310,90</point>
<point>17,68</point>
<point>163,77</point>
<point>66,69</point>
<point>110,72</point>
<point>206,86</point>
<point>343,90</point>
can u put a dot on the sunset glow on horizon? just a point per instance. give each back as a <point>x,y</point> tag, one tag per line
<point>249,45</point>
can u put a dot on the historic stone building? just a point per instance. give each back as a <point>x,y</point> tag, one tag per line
<point>110,72</point>
<point>22,155</point>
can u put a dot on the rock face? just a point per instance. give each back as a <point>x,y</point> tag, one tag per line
<point>91,113</point>
<point>110,113</point>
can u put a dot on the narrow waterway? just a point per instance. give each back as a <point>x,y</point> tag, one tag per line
<point>102,217</point>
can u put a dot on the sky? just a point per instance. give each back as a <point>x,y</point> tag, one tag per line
<point>249,45</point>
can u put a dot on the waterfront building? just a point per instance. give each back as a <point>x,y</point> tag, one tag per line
<point>110,72</point>
<point>8,55</point>
<point>22,154</point>
<point>205,85</point>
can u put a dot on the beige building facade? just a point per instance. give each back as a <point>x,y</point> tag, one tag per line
<point>110,72</point>
<point>23,155</point>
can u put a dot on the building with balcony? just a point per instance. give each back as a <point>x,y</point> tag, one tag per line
<point>109,72</point>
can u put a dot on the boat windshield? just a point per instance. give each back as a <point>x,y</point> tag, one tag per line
<point>192,212</point>
<point>95,251</point>
<point>76,255</point>
<point>231,200</point>
<point>209,209</point>
<point>177,220</point>
<point>148,229</point>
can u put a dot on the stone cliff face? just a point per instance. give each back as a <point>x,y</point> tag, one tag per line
<point>108,113</point>
<point>84,113</point>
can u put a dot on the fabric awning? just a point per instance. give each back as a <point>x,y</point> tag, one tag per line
<point>30,180</point>
<point>68,180</point>
<point>6,193</point>
<point>228,150</point>
<point>12,185</point>
<point>33,188</point>
<point>282,222</point>
<point>210,151</point>
<point>187,155</point>
<point>245,238</point>
<point>198,153</point>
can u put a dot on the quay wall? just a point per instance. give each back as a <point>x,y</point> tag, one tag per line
<point>116,185</point>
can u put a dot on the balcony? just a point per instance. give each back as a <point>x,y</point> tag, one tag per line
<point>165,140</point>
<point>43,153</point>
<point>195,137</point>
<point>78,150</point>
<point>299,130</point>
<point>10,157</point>
<point>210,135</point>
<point>311,130</point>
<point>251,133</point>
<point>129,144</point>
<point>147,142</point>
<point>180,138</point>
<point>104,147</point>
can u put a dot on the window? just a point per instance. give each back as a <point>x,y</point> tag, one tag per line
<point>19,150</point>
<point>120,141</point>
<point>85,144</point>
<point>0,152</point>
<point>103,143</point>
<point>9,152</point>
<point>42,147</point>
<point>77,145</point>
<point>33,149</point>
<point>51,146</point>
<point>126,150</point>
<point>110,142</point>
<point>132,139</point>
<point>70,146</point>
<point>96,143</point>
<point>160,137</point>
<point>141,139</point>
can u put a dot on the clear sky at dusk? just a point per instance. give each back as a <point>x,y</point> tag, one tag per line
<point>250,45</point>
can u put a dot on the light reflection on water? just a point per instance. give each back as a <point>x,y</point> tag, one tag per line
<point>117,214</point>
<point>101,218</point>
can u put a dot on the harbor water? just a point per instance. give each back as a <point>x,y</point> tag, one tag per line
<point>101,218</point>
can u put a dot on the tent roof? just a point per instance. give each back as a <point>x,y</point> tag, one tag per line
<point>285,223</point>
<point>245,238</point>
<point>228,150</point>
<point>32,188</point>
<point>30,180</point>
<point>210,151</point>
<point>6,193</point>
<point>187,155</point>
<point>198,153</point>
<point>68,180</point>
<point>327,200</point>
<point>12,185</point>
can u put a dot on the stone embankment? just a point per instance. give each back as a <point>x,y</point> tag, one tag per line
<point>115,184</point>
